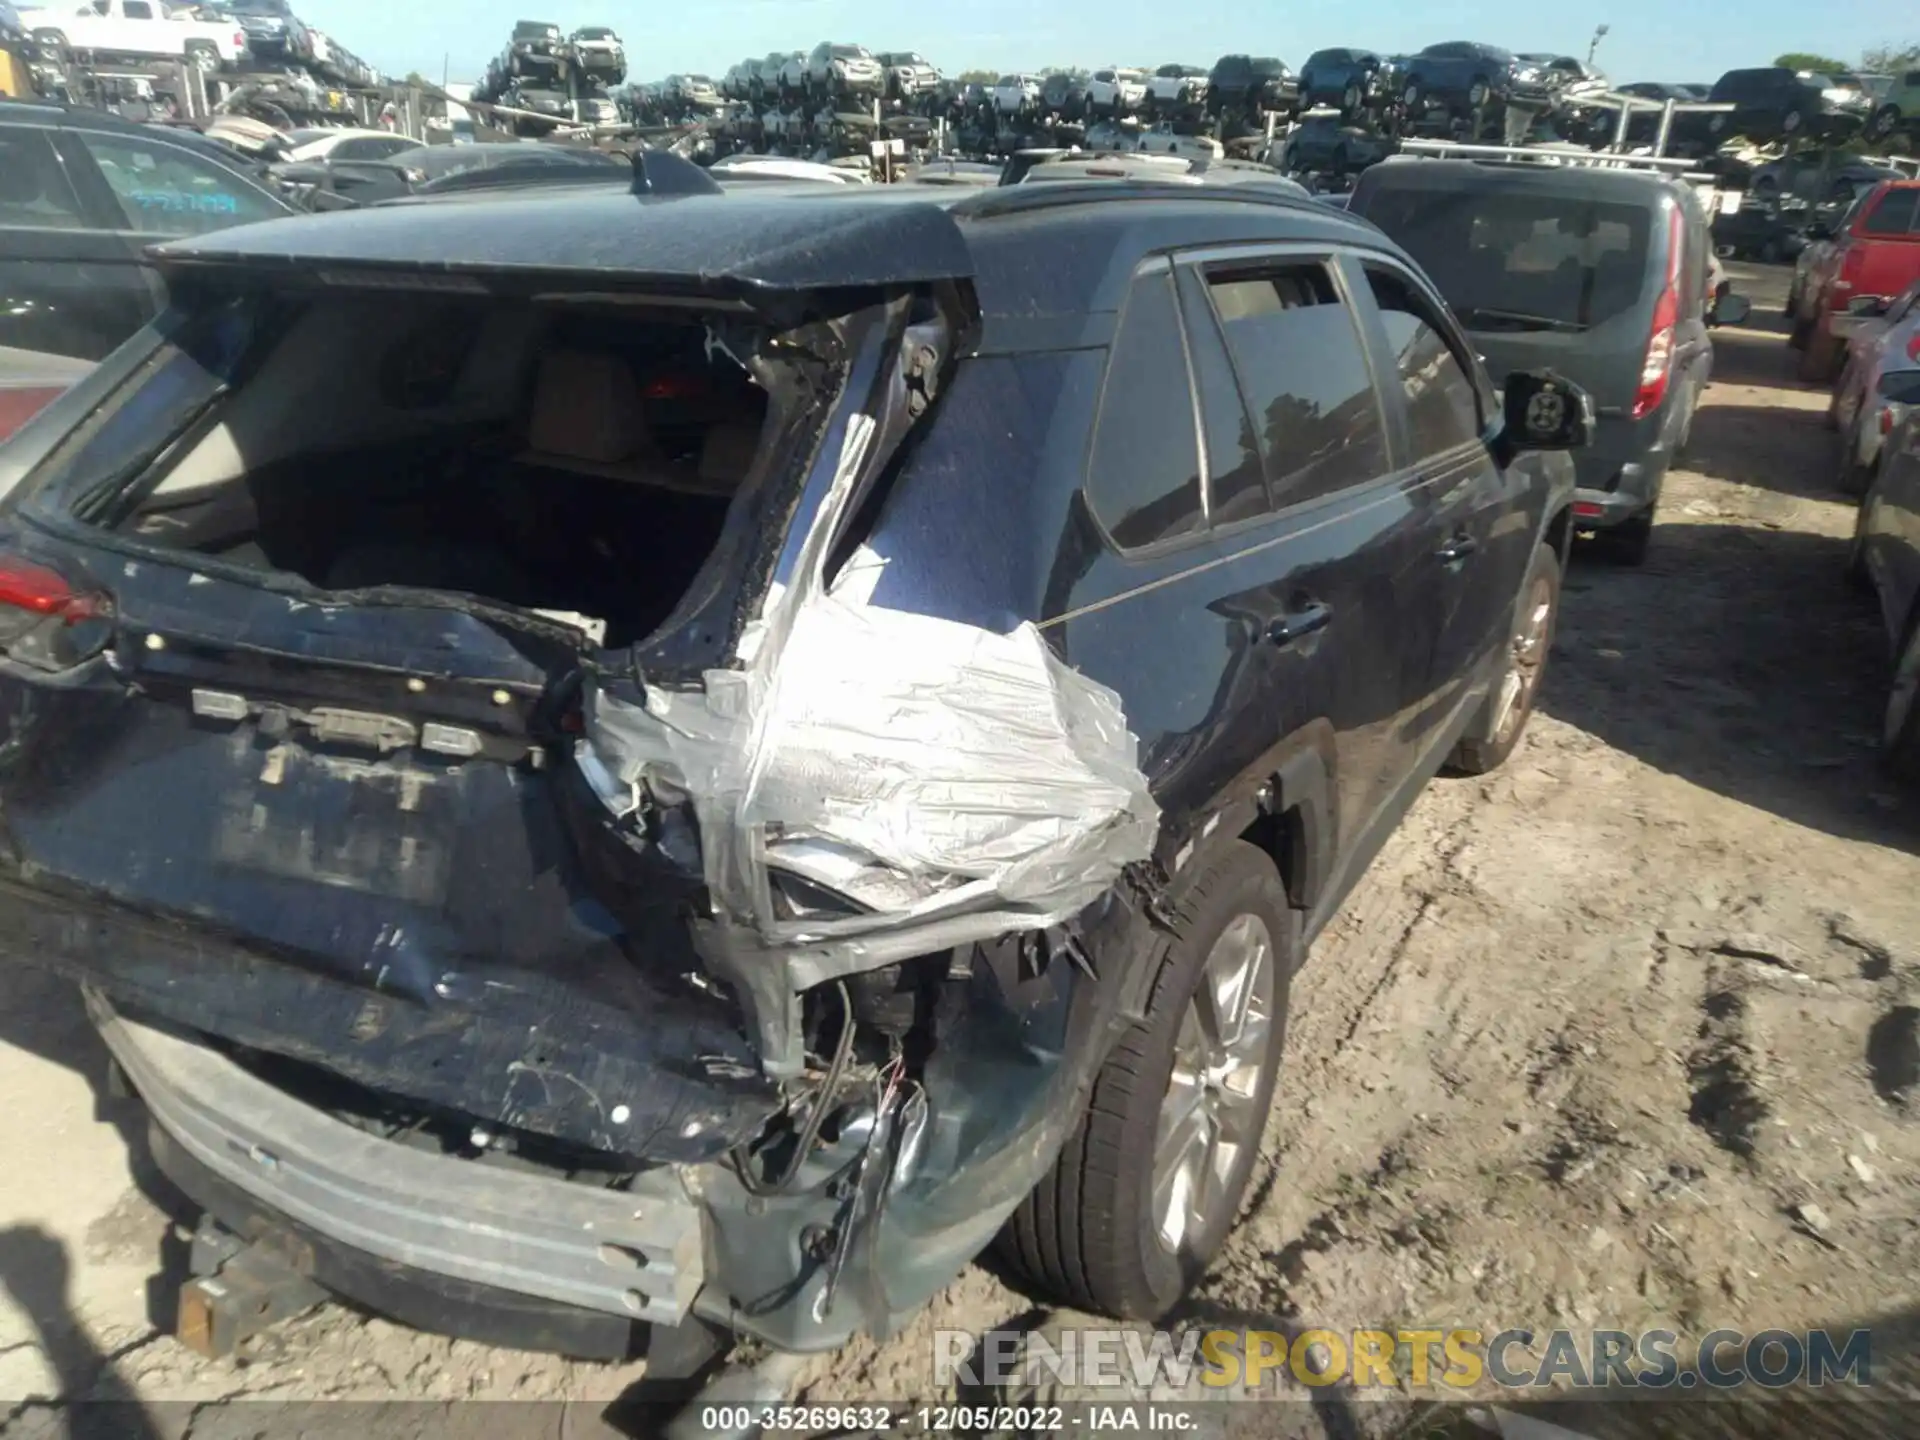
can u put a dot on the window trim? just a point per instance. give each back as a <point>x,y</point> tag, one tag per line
<point>1198,261</point>
<point>1154,265</point>
<point>1486,406</point>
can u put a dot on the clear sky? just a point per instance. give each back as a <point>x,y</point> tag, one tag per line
<point>1678,40</point>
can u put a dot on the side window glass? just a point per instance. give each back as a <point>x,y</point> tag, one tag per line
<point>1894,214</point>
<point>163,190</point>
<point>34,192</point>
<point>1304,378</point>
<point>137,10</point>
<point>1442,409</point>
<point>1143,480</point>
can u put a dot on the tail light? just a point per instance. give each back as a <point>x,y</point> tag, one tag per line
<point>1913,347</point>
<point>1852,261</point>
<point>239,39</point>
<point>45,621</point>
<point>1886,421</point>
<point>1656,370</point>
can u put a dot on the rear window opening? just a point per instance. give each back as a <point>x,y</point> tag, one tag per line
<point>1515,260</point>
<point>577,459</point>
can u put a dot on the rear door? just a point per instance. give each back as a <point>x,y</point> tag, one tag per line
<point>1480,539</point>
<point>66,282</point>
<point>1328,535</point>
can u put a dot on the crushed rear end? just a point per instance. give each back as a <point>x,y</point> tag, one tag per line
<point>443,726</point>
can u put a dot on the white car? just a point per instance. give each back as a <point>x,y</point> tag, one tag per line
<point>1173,88</point>
<point>600,53</point>
<point>137,29</point>
<point>844,69</point>
<point>347,144</point>
<point>1014,93</point>
<point>1881,377</point>
<point>1116,91</point>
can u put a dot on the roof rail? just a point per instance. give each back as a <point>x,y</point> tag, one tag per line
<point>1544,155</point>
<point>995,200</point>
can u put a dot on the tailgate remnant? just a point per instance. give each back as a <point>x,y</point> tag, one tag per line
<point>946,783</point>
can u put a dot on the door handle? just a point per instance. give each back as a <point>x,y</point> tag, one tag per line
<point>1298,624</point>
<point>1456,549</point>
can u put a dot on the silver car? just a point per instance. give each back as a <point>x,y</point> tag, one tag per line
<point>844,69</point>
<point>1881,377</point>
<point>1885,561</point>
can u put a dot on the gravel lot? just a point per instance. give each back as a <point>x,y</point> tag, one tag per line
<point>1622,1035</point>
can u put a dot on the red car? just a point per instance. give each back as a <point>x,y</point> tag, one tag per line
<point>1876,255</point>
<point>29,379</point>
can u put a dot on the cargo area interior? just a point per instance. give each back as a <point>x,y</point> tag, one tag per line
<point>573,459</point>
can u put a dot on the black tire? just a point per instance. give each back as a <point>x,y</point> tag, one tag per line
<point>1410,99</point>
<point>1628,543</point>
<point>1900,728</point>
<point>1791,122</point>
<point>1478,93</point>
<point>1817,357</point>
<point>1503,716</point>
<point>1831,419</point>
<point>1883,122</point>
<point>1089,1233</point>
<point>1350,99</point>
<point>203,57</point>
<point>1857,577</point>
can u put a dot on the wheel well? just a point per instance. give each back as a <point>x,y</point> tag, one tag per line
<point>1281,836</point>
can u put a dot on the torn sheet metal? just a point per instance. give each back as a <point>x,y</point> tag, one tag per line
<point>954,784</point>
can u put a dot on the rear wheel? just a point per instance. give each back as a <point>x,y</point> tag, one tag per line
<point>1410,98</point>
<point>1792,122</point>
<point>1350,99</point>
<point>1883,122</point>
<point>1818,356</point>
<point>1147,1186</point>
<point>1477,93</point>
<point>1900,730</point>
<point>203,57</point>
<point>1856,567</point>
<point>1504,714</point>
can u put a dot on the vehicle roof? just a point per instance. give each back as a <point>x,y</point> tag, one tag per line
<point>1059,249</point>
<point>1421,173</point>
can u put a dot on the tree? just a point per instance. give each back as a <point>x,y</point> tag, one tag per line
<point>1795,60</point>
<point>978,77</point>
<point>1890,59</point>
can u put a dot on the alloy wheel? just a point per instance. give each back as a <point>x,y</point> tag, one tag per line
<point>1208,1118</point>
<point>1526,656</point>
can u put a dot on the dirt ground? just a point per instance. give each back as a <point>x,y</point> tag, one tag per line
<point>1622,1035</point>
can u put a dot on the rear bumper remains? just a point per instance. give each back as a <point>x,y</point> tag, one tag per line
<point>635,1253</point>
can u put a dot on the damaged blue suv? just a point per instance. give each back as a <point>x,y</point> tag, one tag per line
<point>659,760</point>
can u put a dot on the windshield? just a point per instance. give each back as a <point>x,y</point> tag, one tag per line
<point>850,52</point>
<point>1519,260</point>
<point>260,7</point>
<point>596,32</point>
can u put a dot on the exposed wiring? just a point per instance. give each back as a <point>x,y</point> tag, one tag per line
<point>809,1132</point>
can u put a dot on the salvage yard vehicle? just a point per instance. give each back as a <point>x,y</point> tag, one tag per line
<point>1884,560</point>
<point>1321,144</point>
<point>1896,109</point>
<point>844,70</point>
<point>1247,87</point>
<point>440,169</point>
<point>599,52</point>
<point>1818,176</point>
<point>1341,78</point>
<point>1463,75</point>
<point>533,50</point>
<point>1016,93</point>
<point>1772,103</point>
<point>648,841</point>
<point>1063,95</point>
<point>911,78</point>
<point>1116,91</point>
<point>1875,252</point>
<point>1175,92</point>
<point>1880,378</point>
<point>272,30</point>
<point>82,193</point>
<point>139,30</point>
<point>1600,274</point>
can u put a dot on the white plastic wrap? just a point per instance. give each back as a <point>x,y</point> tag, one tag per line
<point>935,774</point>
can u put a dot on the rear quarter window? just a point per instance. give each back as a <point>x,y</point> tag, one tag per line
<point>1894,215</point>
<point>1143,477</point>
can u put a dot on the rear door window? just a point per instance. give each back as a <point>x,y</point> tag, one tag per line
<point>34,191</point>
<point>1894,215</point>
<point>1443,409</point>
<point>164,190</point>
<point>1303,375</point>
<point>1511,260</point>
<point>1143,479</point>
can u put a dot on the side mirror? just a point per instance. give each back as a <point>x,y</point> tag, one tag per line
<point>1729,309</point>
<point>1546,411</point>
<point>1868,306</point>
